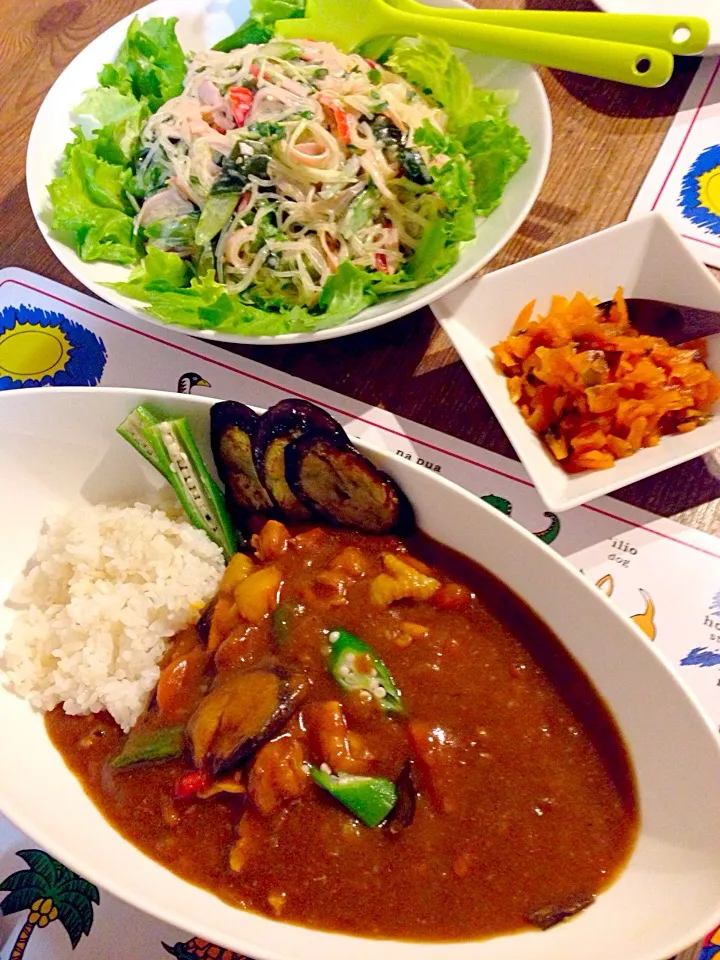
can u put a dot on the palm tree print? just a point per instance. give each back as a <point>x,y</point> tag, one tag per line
<point>50,892</point>
<point>197,949</point>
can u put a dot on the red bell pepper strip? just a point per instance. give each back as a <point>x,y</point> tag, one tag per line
<point>241,101</point>
<point>192,783</point>
<point>342,124</point>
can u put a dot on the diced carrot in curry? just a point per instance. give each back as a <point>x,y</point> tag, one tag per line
<point>178,689</point>
<point>435,754</point>
<point>595,389</point>
<point>452,596</point>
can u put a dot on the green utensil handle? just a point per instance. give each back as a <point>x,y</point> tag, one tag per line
<point>642,66</point>
<point>679,35</point>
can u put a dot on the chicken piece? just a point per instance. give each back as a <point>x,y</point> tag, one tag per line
<point>342,750</point>
<point>401,582</point>
<point>250,839</point>
<point>272,541</point>
<point>278,775</point>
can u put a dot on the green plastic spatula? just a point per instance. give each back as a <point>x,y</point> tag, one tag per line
<point>349,23</point>
<point>682,36</point>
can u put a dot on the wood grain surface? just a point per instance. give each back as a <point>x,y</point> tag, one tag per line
<point>605,138</point>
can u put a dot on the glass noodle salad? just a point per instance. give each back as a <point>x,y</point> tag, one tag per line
<point>271,186</point>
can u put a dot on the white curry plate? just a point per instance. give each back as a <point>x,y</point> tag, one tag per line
<point>59,448</point>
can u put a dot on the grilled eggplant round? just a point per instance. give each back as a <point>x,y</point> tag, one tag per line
<point>243,711</point>
<point>335,481</point>
<point>233,429</point>
<point>279,425</point>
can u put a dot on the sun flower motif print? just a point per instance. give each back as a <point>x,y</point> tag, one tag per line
<point>39,348</point>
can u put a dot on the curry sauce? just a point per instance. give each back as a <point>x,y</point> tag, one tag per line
<point>524,795</point>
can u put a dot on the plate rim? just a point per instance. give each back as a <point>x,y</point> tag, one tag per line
<point>124,891</point>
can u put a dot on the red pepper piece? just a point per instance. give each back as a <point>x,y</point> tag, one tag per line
<point>241,101</point>
<point>381,263</point>
<point>191,783</point>
<point>342,124</point>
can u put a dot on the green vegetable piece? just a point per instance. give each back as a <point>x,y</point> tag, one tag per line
<point>251,31</point>
<point>414,167</point>
<point>176,234</point>
<point>258,28</point>
<point>346,647</point>
<point>133,430</point>
<point>370,798</point>
<point>151,745</point>
<point>237,170</point>
<point>216,213</point>
<point>201,498</point>
<point>282,622</point>
<point>374,75</point>
<point>151,63</point>
<point>360,212</point>
<point>204,260</point>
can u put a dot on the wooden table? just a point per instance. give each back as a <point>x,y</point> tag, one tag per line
<point>605,137</point>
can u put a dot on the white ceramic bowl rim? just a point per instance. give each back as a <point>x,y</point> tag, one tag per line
<point>664,900</point>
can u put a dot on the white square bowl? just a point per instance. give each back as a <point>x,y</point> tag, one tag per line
<point>648,259</point>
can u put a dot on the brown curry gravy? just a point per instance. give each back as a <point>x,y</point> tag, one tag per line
<point>543,803</point>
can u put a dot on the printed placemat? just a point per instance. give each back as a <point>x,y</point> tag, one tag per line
<point>52,336</point>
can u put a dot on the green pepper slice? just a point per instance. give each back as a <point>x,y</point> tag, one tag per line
<point>201,498</point>
<point>148,745</point>
<point>370,798</point>
<point>345,649</point>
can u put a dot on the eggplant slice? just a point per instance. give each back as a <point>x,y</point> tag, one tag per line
<point>282,423</point>
<point>336,481</point>
<point>243,711</point>
<point>233,428</point>
<point>546,917</point>
<point>403,813</point>
<point>205,620</point>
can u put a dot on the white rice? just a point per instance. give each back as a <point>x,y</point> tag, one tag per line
<point>107,588</point>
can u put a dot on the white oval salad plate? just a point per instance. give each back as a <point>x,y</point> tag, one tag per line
<point>202,23</point>
<point>59,449</point>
